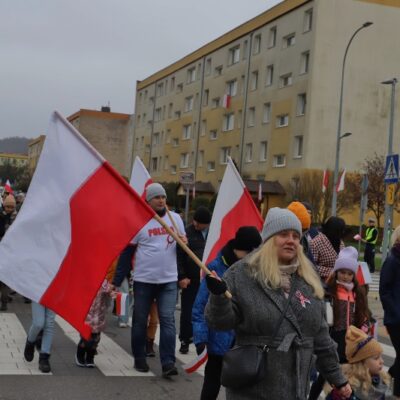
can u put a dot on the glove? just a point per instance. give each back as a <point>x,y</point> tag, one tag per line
<point>216,286</point>
<point>200,348</point>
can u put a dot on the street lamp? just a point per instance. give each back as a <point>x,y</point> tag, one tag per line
<point>338,135</point>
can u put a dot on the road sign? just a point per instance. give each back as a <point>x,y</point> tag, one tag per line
<point>186,178</point>
<point>392,168</point>
<point>390,194</point>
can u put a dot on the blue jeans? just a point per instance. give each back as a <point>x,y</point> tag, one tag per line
<point>42,319</point>
<point>144,295</point>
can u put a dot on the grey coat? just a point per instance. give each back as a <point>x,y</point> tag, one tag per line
<point>253,313</point>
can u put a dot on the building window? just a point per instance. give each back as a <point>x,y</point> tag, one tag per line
<point>289,40</point>
<point>177,114</point>
<point>282,120</point>
<point>248,156</point>
<point>154,162</point>
<point>225,152</point>
<point>304,62</point>
<point>205,97</point>
<point>187,132</point>
<point>147,148</point>
<point>228,122</point>
<point>272,37</point>
<point>184,160</point>
<point>166,163</point>
<point>298,146</point>
<point>160,89</point>
<point>218,70</point>
<point>257,44</point>
<point>200,158</point>
<point>233,55</point>
<point>301,103</point>
<point>191,75</point>
<point>308,17</point>
<point>245,49</point>
<point>279,160</point>
<point>215,102</point>
<point>251,117</point>
<point>285,80</point>
<point>203,127</point>
<point>172,84</point>
<point>179,88</point>
<point>231,87</point>
<point>254,80</point>
<point>270,75</point>
<point>263,151</point>
<point>207,70</point>
<point>175,142</point>
<point>156,139</point>
<point>213,135</point>
<point>266,113</point>
<point>188,104</point>
<point>157,114</point>
<point>211,166</point>
<point>173,169</point>
<point>170,107</point>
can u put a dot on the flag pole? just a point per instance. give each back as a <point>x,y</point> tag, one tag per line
<point>186,249</point>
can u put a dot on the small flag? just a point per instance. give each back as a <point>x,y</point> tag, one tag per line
<point>363,275</point>
<point>140,178</point>
<point>226,102</point>
<point>195,364</point>
<point>325,181</point>
<point>340,184</point>
<point>260,196</point>
<point>7,187</point>
<point>120,303</point>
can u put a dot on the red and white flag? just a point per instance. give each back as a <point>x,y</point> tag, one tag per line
<point>260,193</point>
<point>363,275</point>
<point>325,180</point>
<point>234,208</point>
<point>121,300</point>
<point>195,364</point>
<point>68,233</point>
<point>340,184</point>
<point>226,101</point>
<point>7,187</point>
<point>140,177</point>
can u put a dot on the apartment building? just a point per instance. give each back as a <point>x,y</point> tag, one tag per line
<point>267,94</point>
<point>16,160</point>
<point>35,147</point>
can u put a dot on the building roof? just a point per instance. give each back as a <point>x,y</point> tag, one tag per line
<point>257,22</point>
<point>97,114</point>
<point>267,187</point>
<point>13,155</point>
<point>37,140</point>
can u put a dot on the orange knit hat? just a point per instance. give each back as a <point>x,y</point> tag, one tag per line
<point>360,346</point>
<point>301,213</point>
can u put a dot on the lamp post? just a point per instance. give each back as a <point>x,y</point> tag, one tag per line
<point>338,134</point>
<point>389,207</point>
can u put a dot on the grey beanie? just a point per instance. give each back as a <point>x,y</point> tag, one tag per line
<point>278,220</point>
<point>154,190</point>
<point>347,259</point>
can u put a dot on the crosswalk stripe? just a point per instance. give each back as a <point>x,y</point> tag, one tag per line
<point>12,344</point>
<point>112,360</point>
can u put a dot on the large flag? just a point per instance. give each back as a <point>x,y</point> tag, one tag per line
<point>71,228</point>
<point>325,180</point>
<point>234,208</point>
<point>8,188</point>
<point>340,184</point>
<point>140,177</point>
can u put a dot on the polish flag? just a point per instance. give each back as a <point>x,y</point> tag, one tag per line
<point>340,184</point>
<point>8,188</point>
<point>70,230</point>
<point>234,208</point>
<point>120,303</point>
<point>325,181</point>
<point>195,364</point>
<point>226,101</point>
<point>363,275</point>
<point>140,177</point>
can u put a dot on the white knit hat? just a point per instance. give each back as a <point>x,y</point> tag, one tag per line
<point>154,190</point>
<point>278,220</point>
<point>347,259</point>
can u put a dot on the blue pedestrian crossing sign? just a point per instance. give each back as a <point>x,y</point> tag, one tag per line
<point>392,168</point>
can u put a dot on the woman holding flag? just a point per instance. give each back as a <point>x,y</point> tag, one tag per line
<point>263,286</point>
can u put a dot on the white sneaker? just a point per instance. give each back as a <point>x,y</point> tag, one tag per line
<point>122,324</point>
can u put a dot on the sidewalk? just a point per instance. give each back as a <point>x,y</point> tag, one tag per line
<point>377,311</point>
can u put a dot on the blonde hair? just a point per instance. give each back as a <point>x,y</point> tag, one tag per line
<point>395,236</point>
<point>359,377</point>
<point>264,266</point>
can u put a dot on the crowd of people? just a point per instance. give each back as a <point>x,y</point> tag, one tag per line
<point>296,312</point>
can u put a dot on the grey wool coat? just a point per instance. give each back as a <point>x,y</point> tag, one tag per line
<point>253,313</point>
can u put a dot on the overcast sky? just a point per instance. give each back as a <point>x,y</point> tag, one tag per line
<point>67,55</point>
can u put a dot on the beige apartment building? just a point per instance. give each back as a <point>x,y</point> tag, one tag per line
<point>35,147</point>
<point>267,94</point>
<point>110,133</point>
<point>17,160</point>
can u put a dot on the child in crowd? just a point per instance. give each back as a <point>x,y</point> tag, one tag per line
<point>365,368</point>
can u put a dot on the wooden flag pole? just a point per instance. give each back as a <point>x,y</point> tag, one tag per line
<point>185,247</point>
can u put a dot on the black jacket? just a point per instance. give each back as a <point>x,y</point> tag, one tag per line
<point>187,268</point>
<point>389,288</point>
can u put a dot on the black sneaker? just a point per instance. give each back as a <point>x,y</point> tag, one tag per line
<point>141,365</point>
<point>184,349</point>
<point>90,358</point>
<point>169,370</point>
<point>80,356</point>
<point>29,351</point>
<point>44,364</point>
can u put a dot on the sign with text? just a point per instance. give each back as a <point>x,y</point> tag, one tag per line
<point>186,178</point>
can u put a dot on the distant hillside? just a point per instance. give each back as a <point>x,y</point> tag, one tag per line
<point>14,144</point>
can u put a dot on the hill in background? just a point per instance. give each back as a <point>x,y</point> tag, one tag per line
<point>14,144</point>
